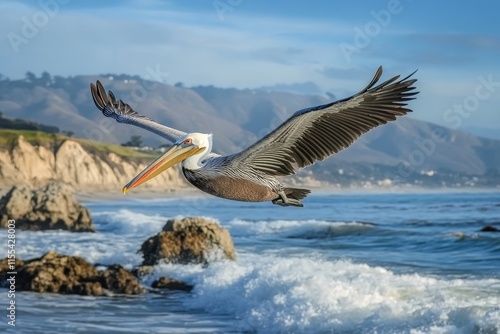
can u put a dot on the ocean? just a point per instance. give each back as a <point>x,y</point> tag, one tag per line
<point>345,263</point>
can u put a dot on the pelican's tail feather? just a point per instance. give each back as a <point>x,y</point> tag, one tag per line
<point>296,193</point>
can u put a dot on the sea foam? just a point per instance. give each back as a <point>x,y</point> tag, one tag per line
<point>268,293</point>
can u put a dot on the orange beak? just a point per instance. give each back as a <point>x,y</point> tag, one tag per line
<point>168,159</point>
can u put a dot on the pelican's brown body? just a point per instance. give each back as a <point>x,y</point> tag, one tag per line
<point>239,189</point>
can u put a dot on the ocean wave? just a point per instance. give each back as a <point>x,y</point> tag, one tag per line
<point>306,229</point>
<point>273,294</point>
<point>126,221</point>
<point>105,248</point>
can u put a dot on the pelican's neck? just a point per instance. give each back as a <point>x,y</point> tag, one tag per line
<point>196,161</point>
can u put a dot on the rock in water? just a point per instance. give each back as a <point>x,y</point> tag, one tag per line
<point>57,273</point>
<point>188,240</point>
<point>119,280</point>
<point>489,228</point>
<point>50,207</point>
<point>171,284</point>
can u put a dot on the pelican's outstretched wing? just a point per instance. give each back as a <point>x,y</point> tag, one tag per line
<point>315,133</point>
<point>123,113</point>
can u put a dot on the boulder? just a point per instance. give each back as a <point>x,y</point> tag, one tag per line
<point>490,228</point>
<point>57,273</point>
<point>166,283</point>
<point>188,240</point>
<point>119,280</point>
<point>171,284</point>
<point>50,207</point>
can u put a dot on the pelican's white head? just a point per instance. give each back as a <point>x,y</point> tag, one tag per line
<point>190,150</point>
<point>198,140</point>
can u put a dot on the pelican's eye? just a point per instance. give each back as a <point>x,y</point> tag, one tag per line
<point>187,141</point>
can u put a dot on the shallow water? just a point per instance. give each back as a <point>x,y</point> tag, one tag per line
<point>385,263</point>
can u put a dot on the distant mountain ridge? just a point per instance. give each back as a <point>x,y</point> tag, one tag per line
<point>483,131</point>
<point>407,151</point>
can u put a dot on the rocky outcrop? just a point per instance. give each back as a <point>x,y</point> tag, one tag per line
<point>189,240</point>
<point>171,284</point>
<point>49,207</point>
<point>71,163</point>
<point>490,228</point>
<point>119,280</point>
<point>57,273</point>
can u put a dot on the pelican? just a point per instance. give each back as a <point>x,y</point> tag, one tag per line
<point>251,175</point>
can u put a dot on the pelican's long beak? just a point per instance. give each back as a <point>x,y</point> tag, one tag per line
<point>175,155</point>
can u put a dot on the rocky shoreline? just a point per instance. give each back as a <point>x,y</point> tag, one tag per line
<point>192,240</point>
<point>56,273</point>
<point>53,206</point>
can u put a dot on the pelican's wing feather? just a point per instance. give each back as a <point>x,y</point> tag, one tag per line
<point>315,133</point>
<point>123,113</point>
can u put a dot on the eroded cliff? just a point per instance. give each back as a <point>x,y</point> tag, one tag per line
<point>71,163</point>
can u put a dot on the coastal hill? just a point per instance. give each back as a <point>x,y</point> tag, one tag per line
<point>406,152</point>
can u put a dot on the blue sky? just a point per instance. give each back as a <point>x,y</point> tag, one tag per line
<point>247,43</point>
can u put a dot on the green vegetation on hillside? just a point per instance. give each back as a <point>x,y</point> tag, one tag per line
<point>8,138</point>
<point>125,152</point>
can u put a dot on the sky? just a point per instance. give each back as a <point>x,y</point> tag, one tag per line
<point>338,45</point>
